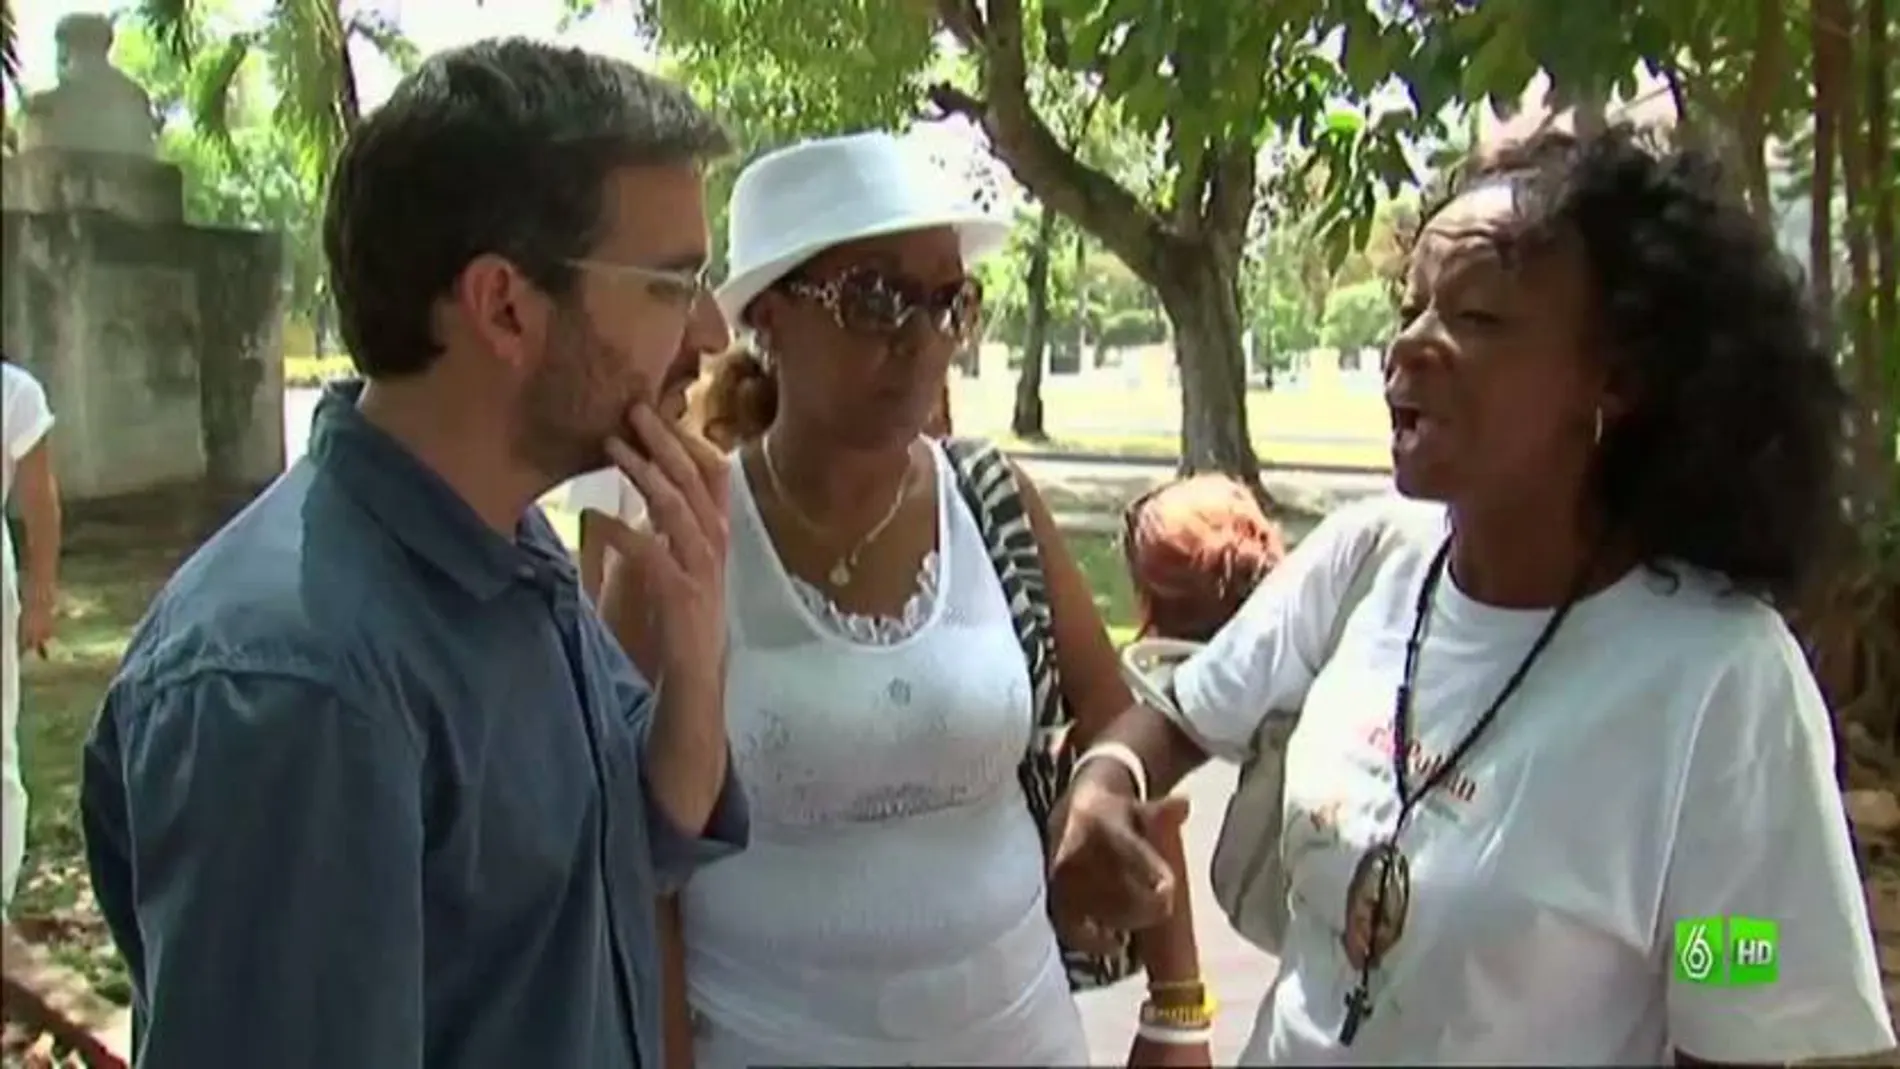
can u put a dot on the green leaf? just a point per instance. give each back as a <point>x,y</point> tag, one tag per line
<point>175,24</point>
<point>212,80</point>
<point>10,49</point>
<point>383,36</point>
<point>1364,52</point>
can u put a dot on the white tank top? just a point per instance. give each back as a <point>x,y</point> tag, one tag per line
<point>890,905</point>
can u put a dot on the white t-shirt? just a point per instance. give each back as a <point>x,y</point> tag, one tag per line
<point>25,417</point>
<point>1668,757</point>
<point>608,491</point>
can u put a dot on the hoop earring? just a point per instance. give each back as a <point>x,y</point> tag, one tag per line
<point>1596,436</point>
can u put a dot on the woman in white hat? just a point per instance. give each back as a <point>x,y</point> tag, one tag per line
<point>887,679</point>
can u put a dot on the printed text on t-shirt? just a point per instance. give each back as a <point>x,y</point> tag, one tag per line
<point>1421,764</point>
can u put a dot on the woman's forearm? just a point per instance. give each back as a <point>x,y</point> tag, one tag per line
<point>592,558</point>
<point>675,1010</point>
<point>1167,950</point>
<point>627,613</point>
<point>1167,753</point>
<point>40,520</point>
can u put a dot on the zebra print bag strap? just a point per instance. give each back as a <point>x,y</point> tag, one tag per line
<point>988,486</point>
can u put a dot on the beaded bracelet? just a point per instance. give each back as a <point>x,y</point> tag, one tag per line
<point>1174,1037</point>
<point>1199,1015</point>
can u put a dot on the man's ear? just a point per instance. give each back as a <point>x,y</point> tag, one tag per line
<point>504,310</point>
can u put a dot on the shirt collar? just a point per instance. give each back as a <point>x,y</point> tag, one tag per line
<point>421,511</point>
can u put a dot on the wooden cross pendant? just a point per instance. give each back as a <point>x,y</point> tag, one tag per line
<point>1358,1008</point>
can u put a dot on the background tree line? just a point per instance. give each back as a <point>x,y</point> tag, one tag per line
<point>1203,171</point>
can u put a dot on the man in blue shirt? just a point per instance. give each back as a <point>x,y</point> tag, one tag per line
<point>373,788</point>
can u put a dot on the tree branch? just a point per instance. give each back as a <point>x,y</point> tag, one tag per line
<point>964,21</point>
<point>1025,144</point>
<point>949,101</point>
<point>1190,187</point>
<point>1231,194</point>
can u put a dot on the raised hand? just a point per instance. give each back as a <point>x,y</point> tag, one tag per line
<point>1105,877</point>
<point>681,559</point>
<point>38,618</point>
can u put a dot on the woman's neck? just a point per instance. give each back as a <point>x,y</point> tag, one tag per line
<point>1532,558</point>
<point>827,479</point>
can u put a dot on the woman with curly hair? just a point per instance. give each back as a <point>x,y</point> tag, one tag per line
<point>1561,789</point>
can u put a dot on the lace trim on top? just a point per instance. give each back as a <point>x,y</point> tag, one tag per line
<point>872,629</point>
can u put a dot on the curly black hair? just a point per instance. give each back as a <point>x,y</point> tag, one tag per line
<point>1729,459</point>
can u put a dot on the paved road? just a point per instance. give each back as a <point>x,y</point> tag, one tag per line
<point>1121,479</point>
<point>1238,972</point>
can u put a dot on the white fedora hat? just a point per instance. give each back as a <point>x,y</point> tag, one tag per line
<point>792,204</point>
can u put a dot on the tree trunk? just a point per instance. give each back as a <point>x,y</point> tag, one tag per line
<point>1591,116</point>
<point>1081,277</point>
<point>1884,225</point>
<point>1767,69</point>
<point>1873,446</point>
<point>1821,180</point>
<point>349,103</point>
<point>1203,306</point>
<point>1026,421</point>
<point>1191,258</point>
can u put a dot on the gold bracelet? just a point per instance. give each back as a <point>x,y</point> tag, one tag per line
<point>1177,993</point>
<point>1189,1017</point>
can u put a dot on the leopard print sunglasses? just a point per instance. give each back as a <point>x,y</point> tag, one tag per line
<point>869,301</point>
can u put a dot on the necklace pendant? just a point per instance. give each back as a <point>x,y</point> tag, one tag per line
<point>1378,899</point>
<point>1358,1008</point>
<point>840,574</point>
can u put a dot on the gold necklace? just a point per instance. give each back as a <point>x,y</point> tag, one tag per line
<point>844,569</point>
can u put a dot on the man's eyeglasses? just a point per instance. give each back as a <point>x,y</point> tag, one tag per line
<point>671,284</point>
<point>868,301</point>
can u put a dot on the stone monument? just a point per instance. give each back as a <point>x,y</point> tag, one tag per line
<point>158,340</point>
<point>95,107</point>
<point>91,141</point>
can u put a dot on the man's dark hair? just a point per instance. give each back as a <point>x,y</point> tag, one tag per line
<point>500,147</point>
<point>1730,457</point>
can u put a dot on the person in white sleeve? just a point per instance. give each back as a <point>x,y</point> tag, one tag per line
<point>1561,789</point>
<point>599,497</point>
<point>26,623</point>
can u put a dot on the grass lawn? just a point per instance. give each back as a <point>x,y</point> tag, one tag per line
<point>112,569</point>
<point>1325,425</point>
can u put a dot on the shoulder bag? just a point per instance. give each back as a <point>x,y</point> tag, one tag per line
<point>988,486</point>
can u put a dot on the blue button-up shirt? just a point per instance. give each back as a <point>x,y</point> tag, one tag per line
<point>368,791</point>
